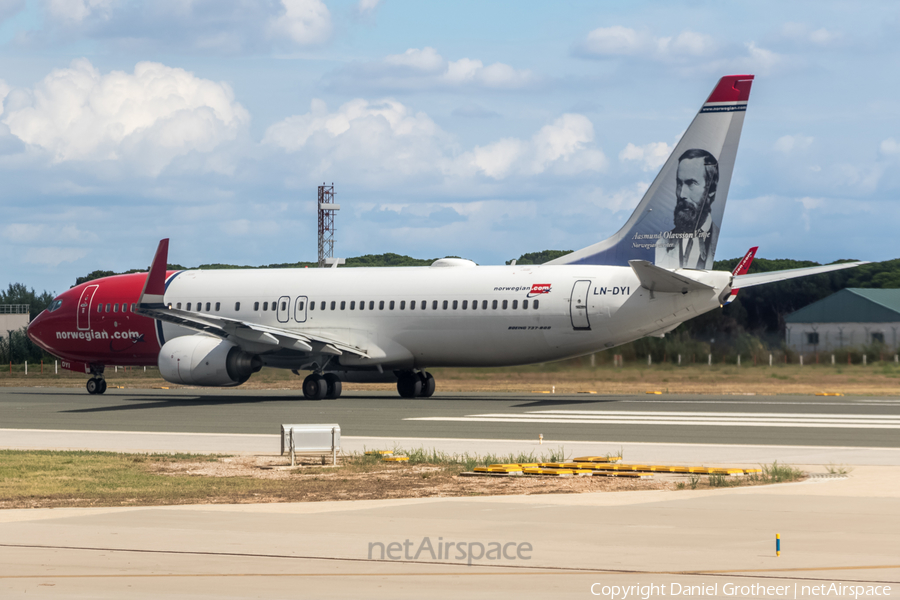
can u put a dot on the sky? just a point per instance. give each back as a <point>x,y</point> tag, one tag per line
<point>475,129</point>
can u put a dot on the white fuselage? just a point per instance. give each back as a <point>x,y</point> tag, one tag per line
<point>419,317</point>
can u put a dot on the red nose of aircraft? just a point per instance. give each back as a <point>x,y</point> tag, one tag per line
<point>39,332</point>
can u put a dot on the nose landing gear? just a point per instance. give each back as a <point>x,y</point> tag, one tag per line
<point>96,384</point>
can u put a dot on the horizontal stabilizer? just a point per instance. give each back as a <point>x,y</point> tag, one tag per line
<point>749,280</point>
<point>657,279</point>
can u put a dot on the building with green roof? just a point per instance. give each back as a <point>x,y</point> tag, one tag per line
<point>850,318</point>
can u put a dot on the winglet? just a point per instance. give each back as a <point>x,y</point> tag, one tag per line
<point>744,265</point>
<point>155,285</point>
<point>741,269</point>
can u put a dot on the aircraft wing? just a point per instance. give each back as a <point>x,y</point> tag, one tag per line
<point>752,279</point>
<point>236,331</point>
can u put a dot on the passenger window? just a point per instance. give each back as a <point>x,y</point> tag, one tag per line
<point>353,305</point>
<point>412,305</point>
<point>188,307</point>
<point>124,307</point>
<point>505,304</point>
<point>99,308</point>
<point>524,304</point>
<point>536,304</point>
<point>178,306</point>
<point>300,304</point>
<point>322,306</point>
<point>362,305</point>
<point>455,304</point>
<point>333,304</point>
<point>207,307</point>
<point>403,305</point>
<point>116,307</point>
<point>265,306</point>
<point>494,305</point>
<point>392,305</point>
<point>237,306</point>
<point>515,304</point>
<point>445,305</point>
<point>474,304</point>
<point>381,305</point>
<point>484,304</point>
<point>371,305</point>
<point>465,304</point>
<point>219,305</point>
<point>312,305</point>
<point>434,305</point>
<point>343,304</point>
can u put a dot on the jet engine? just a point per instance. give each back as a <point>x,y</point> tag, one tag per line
<point>205,360</point>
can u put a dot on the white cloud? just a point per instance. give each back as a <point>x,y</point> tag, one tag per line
<point>386,139</point>
<point>148,117</point>
<point>306,22</point>
<point>564,146</point>
<point>809,204</point>
<point>800,32</point>
<point>425,68</point>
<point>789,143</point>
<point>427,60</point>
<point>53,256</point>
<point>652,156</point>
<point>367,7</point>
<point>31,232</point>
<point>624,41</point>
<point>76,11</point>
<point>616,40</point>
<point>890,147</point>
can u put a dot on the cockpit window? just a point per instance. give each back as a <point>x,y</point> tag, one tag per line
<point>54,305</point>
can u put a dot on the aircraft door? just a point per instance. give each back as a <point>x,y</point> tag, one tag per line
<point>300,309</point>
<point>578,305</point>
<point>284,309</point>
<point>84,307</point>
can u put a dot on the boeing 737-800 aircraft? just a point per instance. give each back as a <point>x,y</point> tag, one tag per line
<point>218,327</point>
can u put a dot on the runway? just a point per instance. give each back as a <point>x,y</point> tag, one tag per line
<point>577,545</point>
<point>865,422</point>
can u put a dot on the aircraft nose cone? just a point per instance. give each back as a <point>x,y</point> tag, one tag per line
<point>37,331</point>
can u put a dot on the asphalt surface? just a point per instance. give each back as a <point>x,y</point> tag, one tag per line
<point>769,420</point>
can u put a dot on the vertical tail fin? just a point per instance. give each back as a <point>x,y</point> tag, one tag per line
<point>676,225</point>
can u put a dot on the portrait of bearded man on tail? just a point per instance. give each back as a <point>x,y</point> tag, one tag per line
<point>688,244</point>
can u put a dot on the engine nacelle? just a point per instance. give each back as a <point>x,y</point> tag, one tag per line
<point>205,360</point>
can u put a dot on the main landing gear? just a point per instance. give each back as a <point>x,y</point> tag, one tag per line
<point>96,384</point>
<point>415,385</point>
<point>317,386</point>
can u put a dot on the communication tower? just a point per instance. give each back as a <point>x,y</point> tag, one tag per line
<point>327,208</point>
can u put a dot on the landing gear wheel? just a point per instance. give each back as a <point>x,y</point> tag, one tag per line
<point>409,385</point>
<point>427,384</point>
<point>93,385</point>
<point>102,389</point>
<point>333,383</point>
<point>315,387</point>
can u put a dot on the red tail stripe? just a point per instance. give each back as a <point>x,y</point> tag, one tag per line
<point>732,88</point>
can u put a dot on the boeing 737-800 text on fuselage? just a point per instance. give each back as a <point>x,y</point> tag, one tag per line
<point>218,327</point>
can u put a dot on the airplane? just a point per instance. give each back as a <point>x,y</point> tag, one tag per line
<point>219,327</point>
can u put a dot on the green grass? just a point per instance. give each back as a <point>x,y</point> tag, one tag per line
<point>460,462</point>
<point>774,473</point>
